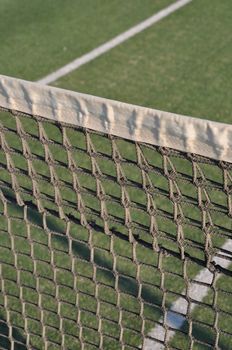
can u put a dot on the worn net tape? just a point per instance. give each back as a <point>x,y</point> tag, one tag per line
<point>136,123</point>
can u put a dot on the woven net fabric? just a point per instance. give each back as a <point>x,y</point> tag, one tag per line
<point>108,243</point>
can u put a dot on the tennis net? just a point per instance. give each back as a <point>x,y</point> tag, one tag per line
<point>115,228</point>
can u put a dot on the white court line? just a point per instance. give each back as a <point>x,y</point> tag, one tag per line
<point>196,292</point>
<point>98,51</point>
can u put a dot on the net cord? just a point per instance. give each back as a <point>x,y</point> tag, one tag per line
<point>186,134</point>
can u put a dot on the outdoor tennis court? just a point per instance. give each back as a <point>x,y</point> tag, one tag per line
<point>66,283</point>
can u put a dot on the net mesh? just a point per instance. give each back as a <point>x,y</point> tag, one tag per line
<point>107,243</point>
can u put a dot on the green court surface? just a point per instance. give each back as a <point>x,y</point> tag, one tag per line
<point>37,37</point>
<point>182,65</point>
